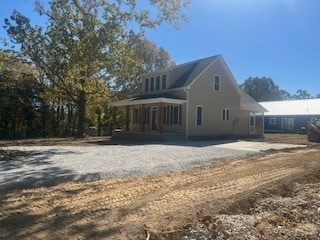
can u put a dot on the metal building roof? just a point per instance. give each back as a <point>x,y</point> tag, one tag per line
<point>292,107</point>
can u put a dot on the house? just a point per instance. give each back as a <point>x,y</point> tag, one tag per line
<point>290,115</point>
<point>196,99</point>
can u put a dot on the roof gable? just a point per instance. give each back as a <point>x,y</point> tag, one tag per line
<point>184,75</point>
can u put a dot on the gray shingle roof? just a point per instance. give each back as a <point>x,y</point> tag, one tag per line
<point>159,95</point>
<point>182,75</point>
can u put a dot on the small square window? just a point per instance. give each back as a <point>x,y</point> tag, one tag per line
<point>272,121</point>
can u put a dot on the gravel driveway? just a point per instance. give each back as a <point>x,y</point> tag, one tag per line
<point>48,165</point>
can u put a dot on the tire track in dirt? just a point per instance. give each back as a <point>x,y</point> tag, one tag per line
<point>159,202</point>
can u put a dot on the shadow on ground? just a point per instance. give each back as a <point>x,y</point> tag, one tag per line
<point>25,169</point>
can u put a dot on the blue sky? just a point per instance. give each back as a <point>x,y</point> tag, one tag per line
<point>279,39</point>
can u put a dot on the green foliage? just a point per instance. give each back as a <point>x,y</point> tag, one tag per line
<point>19,97</point>
<point>302,94</point>
<point>86,47</point>
<point>264,89</point>
<point>261,89</point>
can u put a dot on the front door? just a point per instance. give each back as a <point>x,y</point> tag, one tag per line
<point>154,118</point>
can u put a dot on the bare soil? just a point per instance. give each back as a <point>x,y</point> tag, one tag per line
<point>274,196</point>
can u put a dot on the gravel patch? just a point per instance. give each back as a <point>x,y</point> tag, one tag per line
<point>48,165</point>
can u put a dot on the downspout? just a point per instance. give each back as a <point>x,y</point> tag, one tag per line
<point>187,114</point>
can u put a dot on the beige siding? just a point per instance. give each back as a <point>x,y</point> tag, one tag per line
<point>202,93</point>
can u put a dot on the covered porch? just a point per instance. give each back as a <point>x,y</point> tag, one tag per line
<point>153,115</point>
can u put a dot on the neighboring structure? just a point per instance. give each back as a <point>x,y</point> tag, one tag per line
<point>199,98</point>
<point>291,115</point>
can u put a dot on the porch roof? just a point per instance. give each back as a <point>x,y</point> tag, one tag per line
<point>148,99</point>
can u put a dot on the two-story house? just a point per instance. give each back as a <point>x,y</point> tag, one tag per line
<point>196,99</point>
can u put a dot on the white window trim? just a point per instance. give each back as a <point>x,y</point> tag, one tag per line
<point>272,121</point>
<point>177,124</point>
<point>226,110</point>
<point>214,82</point>
<point>196,122</point>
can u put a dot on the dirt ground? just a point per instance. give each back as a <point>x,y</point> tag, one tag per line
<point>271,196</point>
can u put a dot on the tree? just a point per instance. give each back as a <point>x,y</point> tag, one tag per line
<point>301,94</point>
<point>86,42</point>
<point>147,58</point>
<point>152,58</point>
<point>284,95</point>
<point>20,94</point>
<point>261,89</point>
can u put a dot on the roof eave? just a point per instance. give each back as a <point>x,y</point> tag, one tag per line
<point>131,102</point>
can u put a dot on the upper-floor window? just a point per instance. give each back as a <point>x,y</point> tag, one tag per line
<point>152,84</point>
<point>146,84</point>
<point>164,81</point>
<point>199,116</point>
<point>158,83</point>
<point>225,114</point>
<point>216,83</point>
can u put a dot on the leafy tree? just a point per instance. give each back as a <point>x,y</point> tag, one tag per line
<point>261,89</point>
<point>301,94</point>
<point>148,57</point>
<point>284,95</point>
<point>152,58</point>
<point>20,95</point>
<point>86,42</point>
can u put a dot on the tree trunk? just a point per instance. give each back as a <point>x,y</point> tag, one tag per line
<point>81,114</point>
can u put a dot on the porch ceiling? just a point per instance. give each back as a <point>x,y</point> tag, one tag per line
<point>134,101</point>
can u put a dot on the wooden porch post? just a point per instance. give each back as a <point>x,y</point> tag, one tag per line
<point>142,117</point>
<point>161,118</point>
<point>127,117</point>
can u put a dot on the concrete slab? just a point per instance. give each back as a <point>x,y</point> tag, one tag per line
<point>258,146</point>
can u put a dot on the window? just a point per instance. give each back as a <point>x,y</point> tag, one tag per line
<point>158,83</point>
<point>272,121</point>
<point>165,115</point>
<point>164,81</point>
<point>147,115</point>
<point>284,124</point>
<point>252,121</point>
<point>199,116</point>
<point>175,115</point>
<point>152,84</point>
<point>225,114</point>
<point>313,119</point>
<point>216,82</point>
<point>146,84</point>
<point>136,116</point>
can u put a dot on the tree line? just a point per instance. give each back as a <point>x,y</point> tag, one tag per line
<point>90,52</point>
<point>264,89</point>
